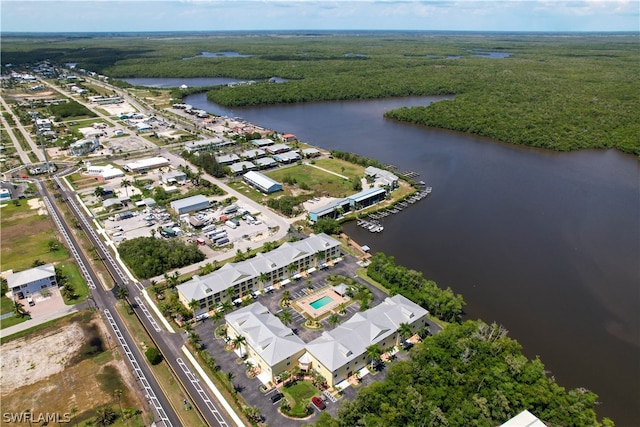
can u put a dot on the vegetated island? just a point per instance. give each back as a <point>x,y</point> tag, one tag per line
<point>557,91</point>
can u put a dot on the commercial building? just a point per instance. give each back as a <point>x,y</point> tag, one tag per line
<point>106,172</point>
<point>262,182</point>
<point>367,198</point>
<point>144,165</point>
<point>84,146</point>
<point>174,177</point>
<point>29,282</point>
<point>246,277</point>
<point>190,204</point>
<point>333,209</point>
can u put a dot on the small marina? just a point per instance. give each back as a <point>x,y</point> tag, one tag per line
<point>373,224</point>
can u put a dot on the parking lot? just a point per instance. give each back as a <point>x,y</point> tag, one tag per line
<point>250,388</point>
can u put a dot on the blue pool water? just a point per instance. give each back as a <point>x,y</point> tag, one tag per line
<point>321,302</point>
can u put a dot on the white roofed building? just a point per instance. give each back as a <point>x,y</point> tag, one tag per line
<point>143,165</point>
<point>29,282</point>
<point>262,182</point>
<point>244,277</point>
<point>268,342</point>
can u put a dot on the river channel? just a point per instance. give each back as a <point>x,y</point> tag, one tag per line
<point>545,243</point>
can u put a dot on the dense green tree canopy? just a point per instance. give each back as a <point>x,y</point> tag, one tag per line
<point>469,374</point>
<point>442,303</point>
<point>149,257</point>
<point>559,92</point>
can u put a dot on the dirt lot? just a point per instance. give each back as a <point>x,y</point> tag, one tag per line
<point>66,365</point>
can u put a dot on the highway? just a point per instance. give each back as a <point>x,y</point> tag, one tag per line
<point>170,344</point>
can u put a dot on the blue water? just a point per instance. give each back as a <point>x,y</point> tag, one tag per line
<point>319,303</point>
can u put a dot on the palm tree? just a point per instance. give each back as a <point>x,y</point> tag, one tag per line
<point>238,342</point>
<point>373,352</point>
<point>285,317</point>
<point>19,309</point>
<point>286,298</point>
<point>118,394</point>
<point>99,191</point>
<point>218,315</point>
<point>264,278</point>
<point>333,319</point>
<point>292,268</point>
<point>404,331</point>
<point>230,292</point>
<point>122,292</point>
<point>320,256</point>
<point>193,305</point>
<point>125,183</point>
<point>105,415</point>
<point>227,306</point>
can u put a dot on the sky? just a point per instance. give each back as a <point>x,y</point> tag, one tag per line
<point>240,15</point>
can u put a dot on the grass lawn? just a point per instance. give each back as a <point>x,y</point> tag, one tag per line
<point>299,396</point>
<point>25,237</point>
<point>320,182</point>
<point>6,306</point>
<point>71,271</point>
<point>340,166</point>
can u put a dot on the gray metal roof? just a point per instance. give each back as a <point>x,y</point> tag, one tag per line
<point>177,205</point>
<point>350,340</point>
<point>31,275</point>
<point>199,287</point>
<point>265,333</point>
<point>260,180</point>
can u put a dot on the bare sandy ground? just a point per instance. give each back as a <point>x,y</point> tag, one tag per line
<point>28,360</point>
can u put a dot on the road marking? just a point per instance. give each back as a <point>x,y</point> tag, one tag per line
<point>196,384</point>
<point>153,400</point>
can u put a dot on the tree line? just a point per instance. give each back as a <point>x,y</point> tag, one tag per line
<point>149,257</point>
<point>470,374</point>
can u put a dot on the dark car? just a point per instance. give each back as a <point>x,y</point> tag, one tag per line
<point>319,403</point>
<point>276,397</point>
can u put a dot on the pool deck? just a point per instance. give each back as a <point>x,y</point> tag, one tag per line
<point>304,303</point>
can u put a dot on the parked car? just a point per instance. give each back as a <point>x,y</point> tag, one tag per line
<point>276,398</point>
<point>319,403</point>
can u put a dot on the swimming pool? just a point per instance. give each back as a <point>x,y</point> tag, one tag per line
<point>321,302</point>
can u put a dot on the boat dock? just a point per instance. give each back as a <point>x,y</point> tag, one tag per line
<point>372,226</point>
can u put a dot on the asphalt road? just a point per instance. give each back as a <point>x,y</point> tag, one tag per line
<point>170,344</point>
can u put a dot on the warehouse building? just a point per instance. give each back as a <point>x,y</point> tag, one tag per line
<point>253,154</point>
<point>261,143</point>
<point>262,182</point>
<point>287,157</point>
<point>227,159</point>
<point>174,177</point>
<point>265,163</point>
<point>367,198</point>
<point>190,204</point>
<point>144,165</point>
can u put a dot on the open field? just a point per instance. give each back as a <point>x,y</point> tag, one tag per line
<point>64,365</point>
<point>25,236</point>
<point>306,177</point>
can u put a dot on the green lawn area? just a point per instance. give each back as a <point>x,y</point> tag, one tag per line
<point>299,396</point>
<point>72,272</point>
<point>340,166</point>
<point>320,182</point>
<point>20,255</point>
<point>241,187</point>
<point>6,306</point>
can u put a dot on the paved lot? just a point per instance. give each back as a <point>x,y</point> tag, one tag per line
<point>45,309</point>
<point>250,388</point>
